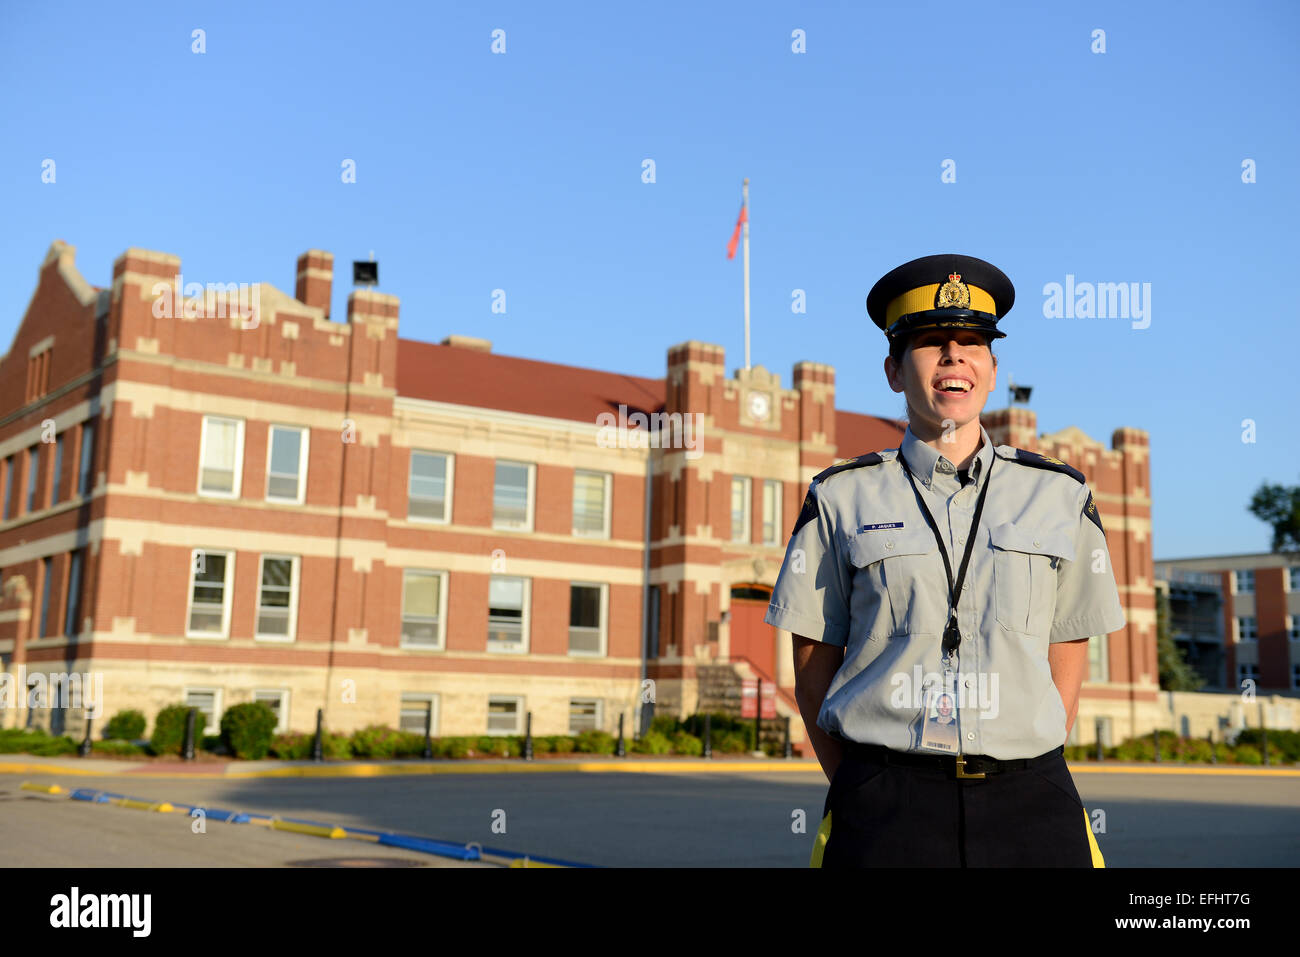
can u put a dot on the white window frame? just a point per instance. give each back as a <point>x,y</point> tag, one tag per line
<point>225,594</point>
<point>1241,628</point>
<point>600,715</point>
<point>441,643</point>
<point>604,620</point>
<point>530,502</point>
<point>303,451</point>
<point>777,489</point>
<point>1247,669</point>
<point>1295,676</point>
<point>1292,578</point>
<point>609,484</point>
<point>239,456</point>
<point>430,698</point>
<point>295,588</point>
<point>748,520</point>
<point>283,693</point>
<point>519,714</point>
<point>450,459</point>
<point>215,727</point>
<point>1292,628</point>
<point>1238,576</point>
<point>525,623</point>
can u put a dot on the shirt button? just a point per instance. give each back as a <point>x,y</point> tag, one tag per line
<point>961,541</point>
<point>967,682</point>
<point>1035,543</point>
<point>889,544</point>
<point>970,735</point>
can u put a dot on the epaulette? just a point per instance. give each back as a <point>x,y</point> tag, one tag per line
<point>1025,457</point>
<point>809,510</point>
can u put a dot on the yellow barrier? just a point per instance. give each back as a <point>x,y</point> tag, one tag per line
<point>318,830</point>
<point>43,788</point>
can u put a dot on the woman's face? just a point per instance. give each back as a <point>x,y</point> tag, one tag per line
<point>939,358</point>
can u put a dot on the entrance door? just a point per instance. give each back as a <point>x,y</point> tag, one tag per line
<point>751,637</point>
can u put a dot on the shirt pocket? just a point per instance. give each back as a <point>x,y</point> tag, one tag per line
<point>901,568</point>
<point>1025,563</point>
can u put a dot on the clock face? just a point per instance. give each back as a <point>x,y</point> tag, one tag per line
<point>759,405</point>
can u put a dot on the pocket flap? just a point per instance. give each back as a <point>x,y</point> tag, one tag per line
<point>1039,541</point>
<point>873,546</point>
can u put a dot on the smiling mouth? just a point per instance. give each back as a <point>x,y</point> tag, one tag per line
<point>953,387</point>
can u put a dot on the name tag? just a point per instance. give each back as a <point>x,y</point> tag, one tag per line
<point>877,527</point>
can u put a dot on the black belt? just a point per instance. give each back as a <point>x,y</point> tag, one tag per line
<point>962,766</point>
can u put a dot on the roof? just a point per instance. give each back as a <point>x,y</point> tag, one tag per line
<point>461,376</point>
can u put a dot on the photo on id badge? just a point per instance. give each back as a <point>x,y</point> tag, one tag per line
<point>939,722</point>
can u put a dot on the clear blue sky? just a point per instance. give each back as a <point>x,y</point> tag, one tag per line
<point>523,172</point>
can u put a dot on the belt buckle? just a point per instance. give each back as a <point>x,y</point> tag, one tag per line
<point>961,769</point>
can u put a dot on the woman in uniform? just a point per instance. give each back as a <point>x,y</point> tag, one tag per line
<point>941,596</point>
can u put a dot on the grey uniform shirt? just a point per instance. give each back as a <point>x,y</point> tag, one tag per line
<point>863,570</point>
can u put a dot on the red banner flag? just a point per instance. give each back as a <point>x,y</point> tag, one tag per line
<point>735,236</point>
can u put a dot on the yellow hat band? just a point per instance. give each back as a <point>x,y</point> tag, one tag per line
<point>921,299</point>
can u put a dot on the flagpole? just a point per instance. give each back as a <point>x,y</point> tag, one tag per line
<point>745,192</point>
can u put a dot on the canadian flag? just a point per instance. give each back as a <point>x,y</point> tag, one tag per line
<point>735,236</point>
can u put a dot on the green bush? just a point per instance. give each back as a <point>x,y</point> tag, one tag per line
<point>687,744</point>
<point>595,742</point>
<point>125,726</point>
<point>375,741</point>
<point>213,744</point>
<point>247,730</point>
<point>1197,750</point>
<point>652,742</point>
<point>542,745</point>
<point>563,744</point>
<point>18,740</point>
<point>116,746</point>
<point>665,724</point>
<point>1248,754</point>
<point>409,744</point>
<point>729,742</point>
<point>453,747</point>
<point>169,729</point>
<point>1287,743</point>
<point>297,746</point>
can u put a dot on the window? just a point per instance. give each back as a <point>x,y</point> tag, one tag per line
<point>591,504</point>
<point>429,489</point>
<point>1098,666</point>
<point>1293,627</point>
<point>584,715</point>
<point>33,464</point>
<point>286,471</point>
<point>1293,578</point>
<point>58,470</point>
<point>221,456</point>
<point>210,577</point>
<point>277,605</point>
<point>505,714</point>
<point>586,619</point>
<point>1245,581</point>
<point>740,509</point>
<point>771,512</point>
<point>507,624</point>
<point>87,459</point>
<point>512,496</point>
<point>9,487</point>
<point>423,594</point>
<point>208,701</point>
<point>1246,628</point>
<point>1247,672</point>
<point>416,710</point>
<point>1295,676</point>
<point>47,566</point>
<point>71,622</point>
<point>278,701</point>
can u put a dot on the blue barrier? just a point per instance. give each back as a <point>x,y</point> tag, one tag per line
<point>515,855</point>
<point>442,848</point>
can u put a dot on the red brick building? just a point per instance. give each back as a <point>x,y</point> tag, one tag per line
<point>315,512</point>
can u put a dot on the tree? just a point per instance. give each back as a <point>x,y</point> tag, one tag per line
<point>1279,506</point>
<point>1175,672</point>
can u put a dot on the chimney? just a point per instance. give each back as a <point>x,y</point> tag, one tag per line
<point>315,277</point>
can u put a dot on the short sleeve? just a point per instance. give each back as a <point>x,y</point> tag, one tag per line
<point>811,597</point>
<point>1087,598</point>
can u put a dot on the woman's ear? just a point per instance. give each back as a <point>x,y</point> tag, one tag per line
<point>893,374</point>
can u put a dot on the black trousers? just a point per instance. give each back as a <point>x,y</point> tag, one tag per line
<point>879,814</point>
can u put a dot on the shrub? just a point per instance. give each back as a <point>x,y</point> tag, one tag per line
<point>53,747</point>
<point>542,745</point>
<point>116,746</point>
<point>453,747</point>
<point>489,745</point>
<point>729,742</point>
<point>1248,754</point>
<point>665,724</point>
<point>125,726</point>
<point>1287,743</point>
<point>687,744</point>
<point>169,729</point>
<point>652,742</point>
<point>213,744</point>
<point>408,744</point>
<point>595,742</point>
<point>563,744</point>
<point>376,741</point>
<point>18,740</point>
<point>1197,750</point>
<point>247,730</point>
<point>297,746</point>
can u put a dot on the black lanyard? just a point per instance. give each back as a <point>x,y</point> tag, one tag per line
<point>951,634</point>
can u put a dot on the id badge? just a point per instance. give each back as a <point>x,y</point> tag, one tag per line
<point>939,718</point>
